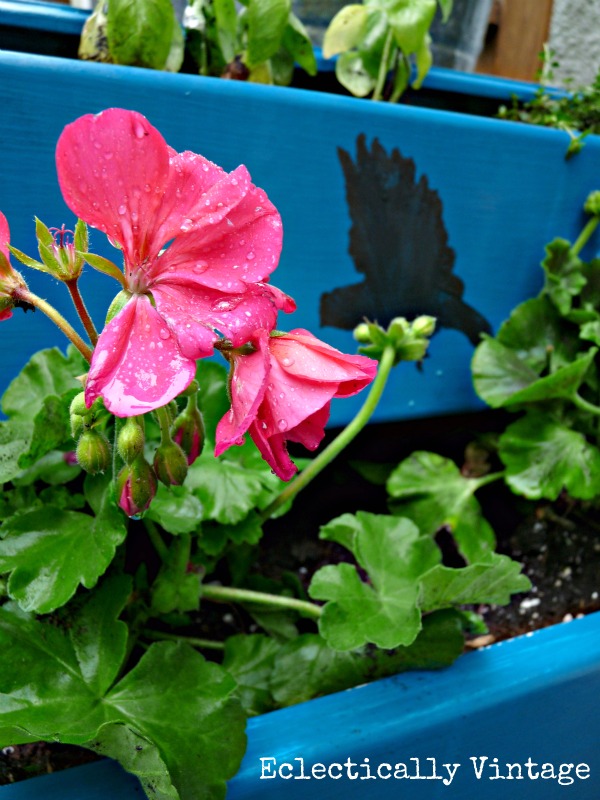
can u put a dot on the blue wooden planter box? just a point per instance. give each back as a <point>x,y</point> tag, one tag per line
<point>534,697</point>
<point>503,190</point>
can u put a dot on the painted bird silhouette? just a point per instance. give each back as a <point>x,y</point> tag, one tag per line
<point>399,243</point>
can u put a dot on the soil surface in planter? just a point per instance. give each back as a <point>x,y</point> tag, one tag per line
<point>558,544</point>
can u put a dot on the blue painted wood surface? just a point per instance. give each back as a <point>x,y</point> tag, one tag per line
<point>532,697</point>
<point>505,189</point>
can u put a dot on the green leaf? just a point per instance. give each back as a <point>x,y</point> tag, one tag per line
<point>492,582</point>
<point>266,21</point>
<point>298,44</point>
<point>48,372</point>
<point>226,490</point>
<point>410,21</point>
<point>176,589</point>
<point>185,706</point>
<point>175,706</point>
<point>434,493</point>
<point>136,754</point>
<point>226,27</point>
<point>423,61</point>
<point>250,659</point>
<point>564,276</point>
<point>99,639</point>
<point>446,8</point>
<point>352,74</point>
<point>15,440</point>
<point>543,457</point>
<point>536,333</point>
<point>51,428</point>
<point>176,509</point>
<point>385,611</point>
<point>140,32</point>
<point>212,397</point>
<point>307,667</point>
<point>53,468</point>
<point>346,30</point>
<point>501,378</point>
<point>49,552</point>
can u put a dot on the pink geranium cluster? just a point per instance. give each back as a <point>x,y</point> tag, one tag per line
<point>198,246</point>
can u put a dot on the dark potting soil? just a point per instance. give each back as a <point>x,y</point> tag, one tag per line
<point>558,544</point>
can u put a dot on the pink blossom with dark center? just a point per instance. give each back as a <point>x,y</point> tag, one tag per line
<point>198,245</point>
<point>282,392</point>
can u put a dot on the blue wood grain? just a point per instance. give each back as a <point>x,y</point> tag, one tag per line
<point>532,697</point>
<point>506,190</point>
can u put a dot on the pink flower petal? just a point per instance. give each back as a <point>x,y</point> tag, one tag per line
<point>137,365</point>
<point>303,355</point>
<point>247,390</point>
<point>274,452</point>
<point>242,246</point>
<point>199,195</point>
<point>113,169</point>
<point>4,236</point>
<point>310,432</point>
<point>194,311</point>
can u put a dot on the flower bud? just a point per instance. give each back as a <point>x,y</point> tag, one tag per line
<point>592,204</point>
<point>362,334</point>
<point>170,464</point>
<point>78,405</point>
<point>136,487</point>
<point>188,433</point>
<point>93,451</point>
<point>130,441</point>
<point>423,326</point>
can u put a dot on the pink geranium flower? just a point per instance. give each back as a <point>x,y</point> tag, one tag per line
<point>222,237</point>
<point>10,279</point>
<point>282,392</point>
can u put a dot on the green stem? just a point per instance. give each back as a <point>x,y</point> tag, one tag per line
<point>229,593</point>
<point>82,310</point>
<point>585,235</point>
<point>383,67</point>
<point>341,441</point>
<point>156,539</point>
<point>584,405</point>
<point>485,479</point>
<point>206,644</point>
<point>25,296</point>
<point>164,421</point>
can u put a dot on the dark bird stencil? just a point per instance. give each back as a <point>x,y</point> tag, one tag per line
<point>399,243</point>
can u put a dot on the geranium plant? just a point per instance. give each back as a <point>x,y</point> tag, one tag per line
<point>138,475</point>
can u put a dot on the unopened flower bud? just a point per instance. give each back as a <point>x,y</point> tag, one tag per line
<point>170,464</point>
<point>362,334</point>
<point>423,326</point>
<point>130,441</point>
<point>413,350</point>
<point>78,405</point>
<point>188,433</point>
<point>592,204</point>
<point>136,487</point>
<point>93,451</point>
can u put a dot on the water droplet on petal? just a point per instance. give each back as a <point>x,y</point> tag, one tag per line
<point>138,130</point>
<point>250,256</point>
<point>122,210</point>
<point>282,424</point>
<point>287,361</point>
<point>200,267</point>
<point>147,187</point>
<point>228,304</point>
<point>164,333</point>
<point>186,225</point>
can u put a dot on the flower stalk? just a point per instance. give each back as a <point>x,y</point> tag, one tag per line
<point>25,296</point>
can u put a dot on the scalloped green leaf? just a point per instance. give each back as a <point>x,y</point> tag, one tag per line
<point>432,492</point>
<point>543,457</point>
<point>49,552</point>
<point>385,610</point>
<point>492,582</point>
<point>564,275</point>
